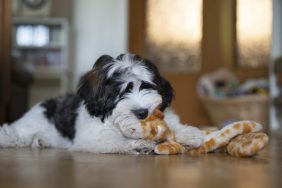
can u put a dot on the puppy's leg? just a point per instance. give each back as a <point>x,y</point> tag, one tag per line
<point>21,132</point>
<point>122,146</point>
<point>186,135</point>
<point>103,139</point>
<point>132,146</point>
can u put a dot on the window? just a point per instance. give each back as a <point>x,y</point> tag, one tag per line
<point>174,34</point>
<point>253,32</point>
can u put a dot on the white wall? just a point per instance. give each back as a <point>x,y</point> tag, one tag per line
<point>100,27</point>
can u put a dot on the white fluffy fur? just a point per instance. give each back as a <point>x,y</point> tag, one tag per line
<point>34,130</point>
<point>119,133</point>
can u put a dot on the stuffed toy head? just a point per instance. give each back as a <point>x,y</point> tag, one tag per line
<point>155,128</point>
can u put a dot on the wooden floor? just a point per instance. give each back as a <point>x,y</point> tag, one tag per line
<point>30,168</point>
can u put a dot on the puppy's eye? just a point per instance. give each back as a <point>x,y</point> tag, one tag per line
<point>128,87</point>
<point>146,85</point>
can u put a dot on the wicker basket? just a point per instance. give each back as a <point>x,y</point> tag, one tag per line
<point>251,107</point>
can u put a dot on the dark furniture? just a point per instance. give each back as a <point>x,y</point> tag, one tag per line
<point>5,56</point>
<point>18,103</point>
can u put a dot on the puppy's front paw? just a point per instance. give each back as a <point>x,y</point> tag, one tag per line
<point>189,136</point>
<point>143,147</point>
<point>144,151</point>
<point>39,142</point>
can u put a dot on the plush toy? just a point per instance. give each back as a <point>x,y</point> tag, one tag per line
<point>239,139</point>
<point>155,128</point>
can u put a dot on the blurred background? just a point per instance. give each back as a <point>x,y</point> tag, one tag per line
<point>223,57</point>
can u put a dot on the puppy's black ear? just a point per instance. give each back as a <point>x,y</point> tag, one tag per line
<point>164,87</point>
<point>88,85</point>
<point>132,56</point>
<point>98,92</point>
<point>102,61</point>
<point>167,93</point>
<point>89,82</point>
<point>120,57</point>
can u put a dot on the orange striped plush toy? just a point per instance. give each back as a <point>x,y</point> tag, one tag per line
<point>155,128</point>
<point>239,139</point>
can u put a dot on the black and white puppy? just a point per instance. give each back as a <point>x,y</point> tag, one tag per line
<point>104,115</point>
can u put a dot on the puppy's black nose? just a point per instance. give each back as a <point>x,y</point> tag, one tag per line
<point>140,113</point>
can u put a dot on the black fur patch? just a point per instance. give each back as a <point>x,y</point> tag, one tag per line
<point>62,112</point>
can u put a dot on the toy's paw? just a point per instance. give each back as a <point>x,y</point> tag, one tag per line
<point>132,130</point>
<point>169,148</point>
<point>190,137</point>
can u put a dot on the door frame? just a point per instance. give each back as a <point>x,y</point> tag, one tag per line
<point>5,55</point>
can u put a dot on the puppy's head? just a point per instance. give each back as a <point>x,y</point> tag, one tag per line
<point>124,90</point>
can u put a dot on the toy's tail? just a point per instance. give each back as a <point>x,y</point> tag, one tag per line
<point>247,145</point>
<point>218,139</point>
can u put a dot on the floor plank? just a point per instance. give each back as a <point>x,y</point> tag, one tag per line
<point>32,168</point>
